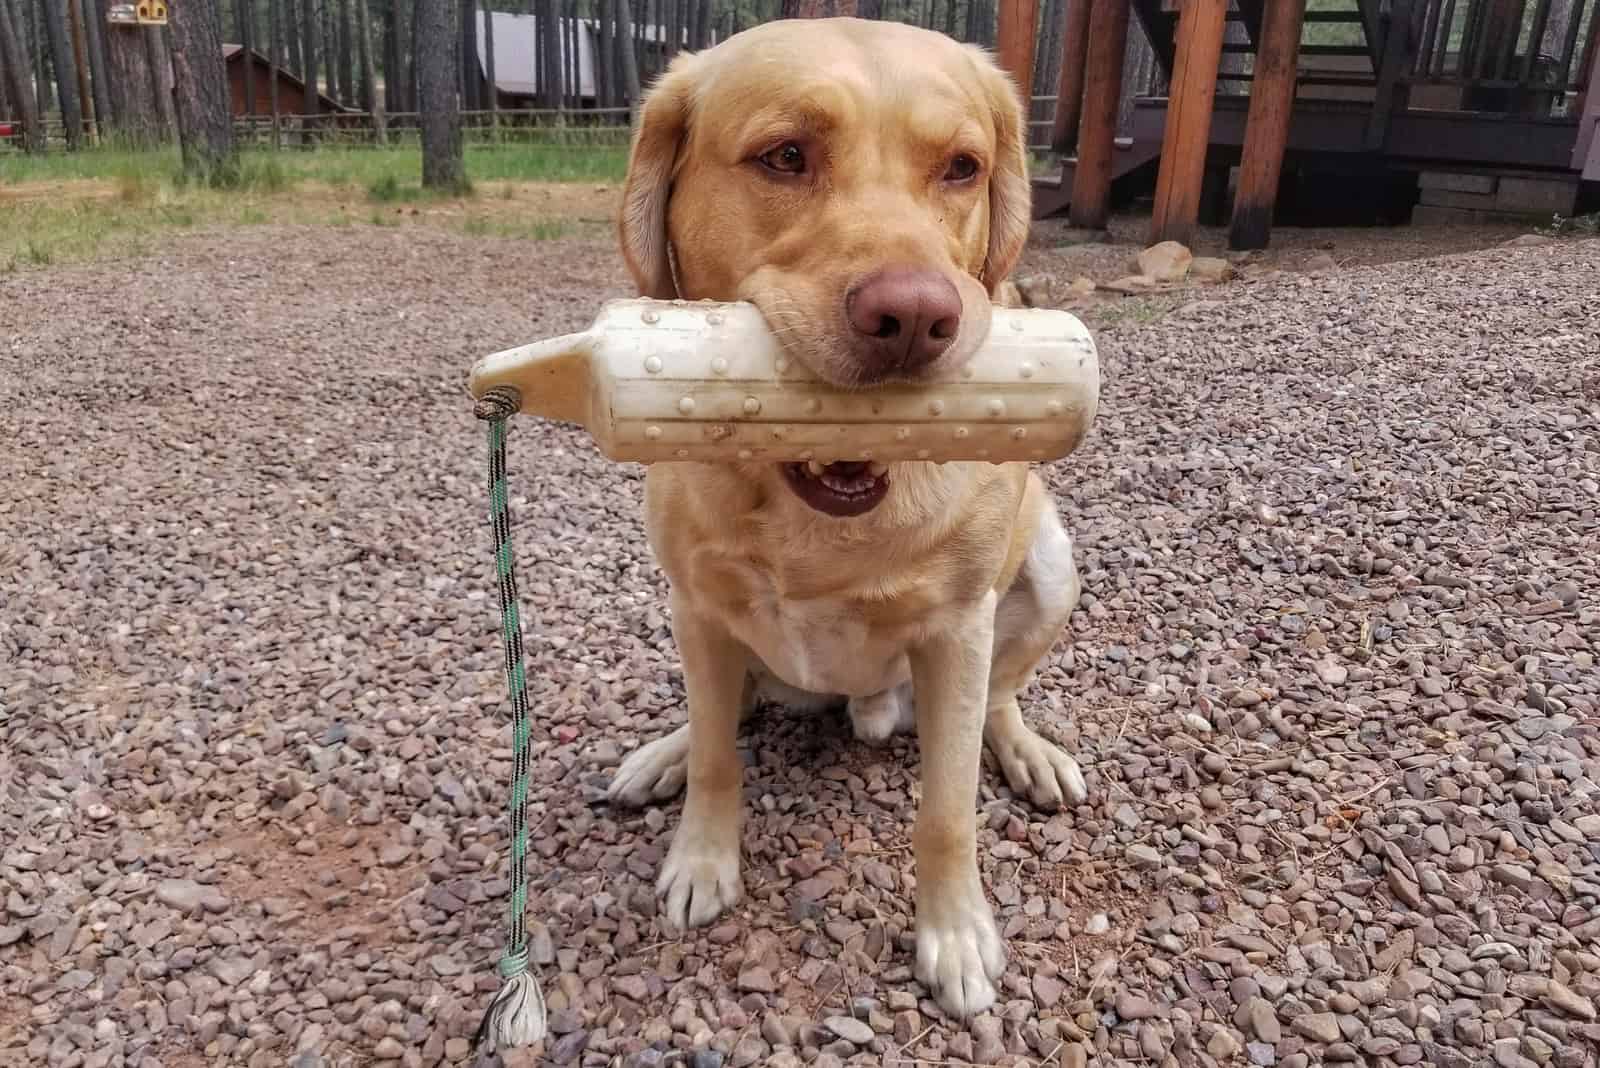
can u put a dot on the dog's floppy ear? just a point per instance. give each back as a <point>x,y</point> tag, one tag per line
<point>652,161</point>
<point>1010,190</point>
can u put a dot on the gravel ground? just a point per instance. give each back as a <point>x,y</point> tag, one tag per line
<point>1333,684</point>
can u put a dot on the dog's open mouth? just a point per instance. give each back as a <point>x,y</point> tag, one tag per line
<point>845,488</point>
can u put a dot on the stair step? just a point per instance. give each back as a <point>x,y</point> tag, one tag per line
<point>1245,48</point>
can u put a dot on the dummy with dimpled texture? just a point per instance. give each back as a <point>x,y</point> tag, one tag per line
<point>661,381</point>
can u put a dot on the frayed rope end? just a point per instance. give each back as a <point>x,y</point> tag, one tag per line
<point>516,1017</point>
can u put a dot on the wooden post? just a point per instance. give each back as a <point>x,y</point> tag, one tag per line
<point>1102,85</point>
<point>1069,86</point>
<point>1016,38</point>
<point>1266,130</point>
<point>1188,129</point>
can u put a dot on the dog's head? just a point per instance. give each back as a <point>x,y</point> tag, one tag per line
<point>864,184</point>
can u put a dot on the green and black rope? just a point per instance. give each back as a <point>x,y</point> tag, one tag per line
<point>517,1015</point>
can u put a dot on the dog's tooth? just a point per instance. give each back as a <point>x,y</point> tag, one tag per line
<point>813,468</point>
<point>878,469</point>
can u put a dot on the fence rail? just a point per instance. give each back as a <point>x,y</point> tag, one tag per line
<point>576,129</point>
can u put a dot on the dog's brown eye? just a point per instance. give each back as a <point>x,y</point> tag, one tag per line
<point>962,168</point>
<point>787,158</point>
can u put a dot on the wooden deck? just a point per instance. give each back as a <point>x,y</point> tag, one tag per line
<point>1412,87</point>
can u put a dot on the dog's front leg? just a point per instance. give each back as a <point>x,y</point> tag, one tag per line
<point>700,877</point>
<point>959,953</point>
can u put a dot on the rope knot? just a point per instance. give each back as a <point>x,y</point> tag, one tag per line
<point>514,963</point>
<point>500,402</point>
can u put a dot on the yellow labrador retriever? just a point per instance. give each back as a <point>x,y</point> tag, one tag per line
<point>865,185</point>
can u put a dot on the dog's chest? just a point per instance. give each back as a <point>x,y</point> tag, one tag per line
<point>831,644</point>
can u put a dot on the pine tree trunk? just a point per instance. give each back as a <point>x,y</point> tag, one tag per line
<point>491,89</point>
<point>549,30</point>
<point>66,71</point>
<point>702,24</point>
<point>311,26</point>
<point>370,101</point>
<point>159,60</point>
<point>139,116</point>
<point>274,60</point>
<point>443,162</point>
<point>244,14</point>
<point>330,47</point>
<point>569,55</point>
<point>80,66</point>
<point>289,26</point>
<point>100,74</point>
<point>392,93</point>
<point>347,69</point>
<point>200,94</point>
<point>627,56</point>
<point>36,44</point>
<point>19,78</point>
<point>602,53</point>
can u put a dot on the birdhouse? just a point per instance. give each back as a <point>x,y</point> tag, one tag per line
<point>138,13</point>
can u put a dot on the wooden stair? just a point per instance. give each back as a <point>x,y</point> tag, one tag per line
<point>1052,193</point>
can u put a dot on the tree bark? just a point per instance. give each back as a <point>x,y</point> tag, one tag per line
<point>200,94</point>
<point>66,72</point>
<point>569,55</point>
<point>311,26</point>
<point>549,30</point>
<point>80,62</point>
<point>369,75</point>
<point>160,57</point>
<point>19,79</point>
<point>139,116</point>
<point>604,76</point>
<point>274,59</point>
<point>330,47</point>
<point>468,27</point>
<point>36,39</point>
<point>443,160</point>
<point>347,69</point>
<point>701,24</point>
<point>491,91</point>
<point>392,67</point>
<point>289,26</point>
<point>245,16</point>
<point>105,107</point>
<point>627,58</point>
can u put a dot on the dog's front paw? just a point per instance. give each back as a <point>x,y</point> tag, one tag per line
<point>959,952</point>
<point>880,717</point>
<point>653,772</point>
<point>699,881</point>
<point>1039,770</point>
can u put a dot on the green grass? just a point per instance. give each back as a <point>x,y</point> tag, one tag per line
<point>263,170</point>
<point>147,194</point>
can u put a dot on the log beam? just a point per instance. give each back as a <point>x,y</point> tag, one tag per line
<point>1188,131</point>
<point>1102,88</point>
<point>1015,39</point>
<point>1266,132</point>
<point>1069,86</point>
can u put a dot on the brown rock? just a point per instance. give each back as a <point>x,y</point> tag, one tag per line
<point>1168,261</point>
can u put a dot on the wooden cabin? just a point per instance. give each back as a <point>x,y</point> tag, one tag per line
<point>1386,110</point>
<point>293,96</point>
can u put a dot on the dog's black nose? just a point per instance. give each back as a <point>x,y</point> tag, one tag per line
<point>904,319</point>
